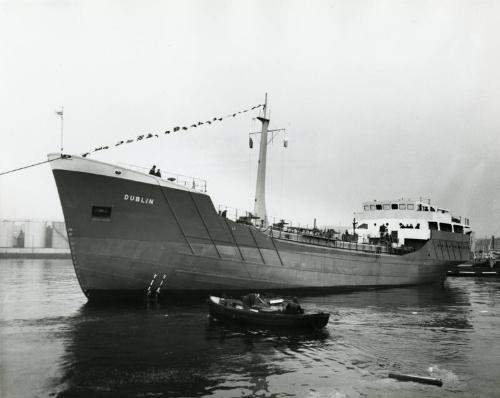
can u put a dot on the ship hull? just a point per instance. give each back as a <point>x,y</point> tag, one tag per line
<point>161,238</point>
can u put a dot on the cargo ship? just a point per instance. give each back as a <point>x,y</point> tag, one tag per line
<point>133,234</point>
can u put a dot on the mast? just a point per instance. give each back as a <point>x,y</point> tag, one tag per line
<point>61,115</point>
<point>62,129</point>
<point>260,189</point>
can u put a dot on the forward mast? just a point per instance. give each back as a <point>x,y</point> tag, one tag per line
<point>260,212</point>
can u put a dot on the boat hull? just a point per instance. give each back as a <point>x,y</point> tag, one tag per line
<point>266,319</point>
<point>159,236</point>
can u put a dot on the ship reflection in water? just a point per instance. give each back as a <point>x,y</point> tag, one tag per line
<point>54,344</point>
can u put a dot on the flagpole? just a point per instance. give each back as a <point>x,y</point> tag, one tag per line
<point>62,127</point>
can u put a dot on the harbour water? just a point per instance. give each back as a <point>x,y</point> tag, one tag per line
<point>55,344</point>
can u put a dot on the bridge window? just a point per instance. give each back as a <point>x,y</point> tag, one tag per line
<point>394,206</point>
<point>387,207</point>
<point>458,229</point>
<point>445,227</point>
<point>379,207</point>
<point>366,207</point>
<point>402,207</point>
<point>433,225</point>
<point>410,207</point>
<point>372,207</point>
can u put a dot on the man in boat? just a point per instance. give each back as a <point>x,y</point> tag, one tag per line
<point>153,170</point>
<point>293,307</point>
<point>253,299</point>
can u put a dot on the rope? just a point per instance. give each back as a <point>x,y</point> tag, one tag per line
<point>29,165</point>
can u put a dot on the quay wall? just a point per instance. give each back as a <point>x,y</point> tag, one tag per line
<point>33,239</point>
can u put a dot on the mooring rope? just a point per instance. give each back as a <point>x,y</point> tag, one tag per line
<point>29,165</point>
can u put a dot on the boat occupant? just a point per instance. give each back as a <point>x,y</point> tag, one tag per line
<point>252,299</point>
<point>158,173</point>
<point>153,170</point>
<point>294,307</point>
<point>249,299</point>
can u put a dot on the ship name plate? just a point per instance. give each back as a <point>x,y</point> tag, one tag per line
<point>138,199</point>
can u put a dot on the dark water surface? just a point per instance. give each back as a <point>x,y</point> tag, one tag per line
<point>54,344</point>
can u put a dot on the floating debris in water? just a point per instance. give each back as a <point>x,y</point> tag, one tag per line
<point>417,379</point>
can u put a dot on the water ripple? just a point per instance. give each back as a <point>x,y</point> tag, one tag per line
<point>54,344</point>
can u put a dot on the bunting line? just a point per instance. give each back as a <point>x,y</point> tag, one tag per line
<point>173,130</point>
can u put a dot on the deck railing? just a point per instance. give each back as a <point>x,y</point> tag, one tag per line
<point>236,214</point>
<point>319,240</point>
<point>317,237</point>
<point>194,183</point>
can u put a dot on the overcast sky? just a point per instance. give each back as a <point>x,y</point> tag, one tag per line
<point>380,99</point>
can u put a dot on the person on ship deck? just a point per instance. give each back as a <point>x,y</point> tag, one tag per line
<point>153,170</point>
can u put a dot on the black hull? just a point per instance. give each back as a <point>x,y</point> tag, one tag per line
<point>172,239</point>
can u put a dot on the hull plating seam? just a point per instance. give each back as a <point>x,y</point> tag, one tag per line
<point>280,267</point>
<point>430,263</point>
<point>274,282</point>
<point>339,255</point>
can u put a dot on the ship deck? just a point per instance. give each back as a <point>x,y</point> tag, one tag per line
<point>323,241</point>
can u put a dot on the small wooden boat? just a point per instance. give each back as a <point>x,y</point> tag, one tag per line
<point>272,316</point>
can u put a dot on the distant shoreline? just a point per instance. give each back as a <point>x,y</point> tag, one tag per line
<point>34,253</point>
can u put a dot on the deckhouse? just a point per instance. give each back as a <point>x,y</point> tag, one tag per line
<point>405,220</point>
